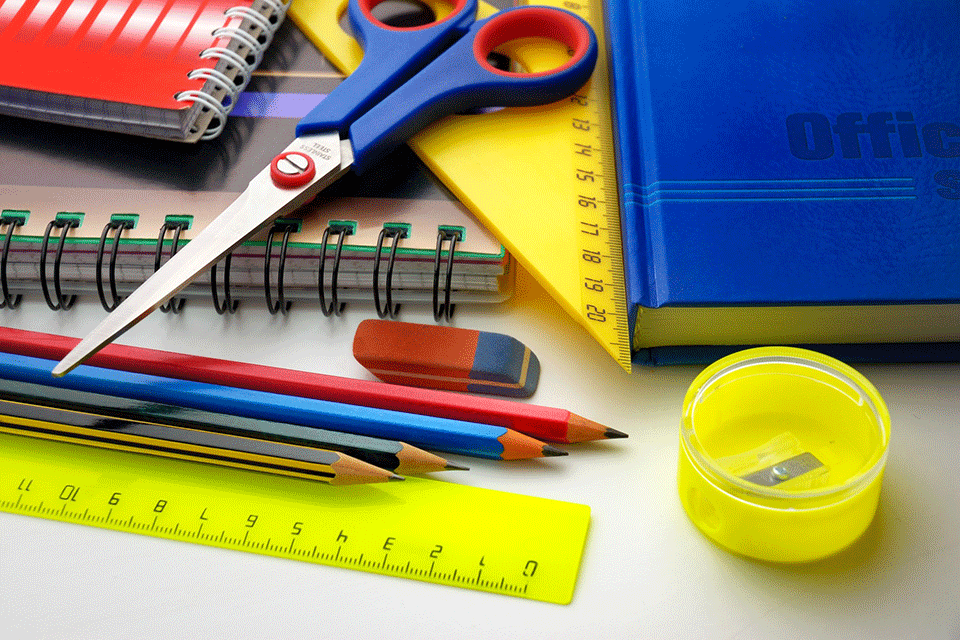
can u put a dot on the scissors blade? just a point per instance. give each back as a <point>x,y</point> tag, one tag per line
<point>259,204</point>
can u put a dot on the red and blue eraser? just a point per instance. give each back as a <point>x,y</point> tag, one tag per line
<point>450,358</point>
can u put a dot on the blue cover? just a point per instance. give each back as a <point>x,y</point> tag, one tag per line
<point>788,151</point>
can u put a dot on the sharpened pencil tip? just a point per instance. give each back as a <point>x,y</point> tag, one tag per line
<point>456,467</point>
<point>550,450</point>
<point>396,477</point>
<point>612,433</point>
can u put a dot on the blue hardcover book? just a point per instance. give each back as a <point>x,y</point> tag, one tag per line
<point>789,174</point>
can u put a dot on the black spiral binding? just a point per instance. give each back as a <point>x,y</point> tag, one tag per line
<point>229,304</point>
<point>342,231</point>
<point>281,305</point>
<point>14,221</point>
<point>117,226</point>
<point>63,302</point>
<point>395,233</point>
<point>444,311</point>
<point>174,304</point>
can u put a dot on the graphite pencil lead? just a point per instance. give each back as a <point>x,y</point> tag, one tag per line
<point>550,450</point>
<point>612,433</point>
<point>395,477</point>
<point>456,467</point>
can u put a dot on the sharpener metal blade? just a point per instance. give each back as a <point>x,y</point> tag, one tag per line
<point>785,470</point>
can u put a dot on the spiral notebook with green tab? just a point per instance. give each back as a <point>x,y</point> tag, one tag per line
<point>123,203</point>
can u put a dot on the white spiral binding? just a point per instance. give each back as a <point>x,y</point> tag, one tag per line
<point>223,81</point>
<point>230,86</point>
<point>251,15</point>
<point>222,53</point>
<point>233,33</point>
<point>217,77</point>
<point>196,95</point>
<point>279,7</point>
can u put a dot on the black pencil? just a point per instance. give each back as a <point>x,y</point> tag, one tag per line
<point>332,467</point>
<point>387,454</point>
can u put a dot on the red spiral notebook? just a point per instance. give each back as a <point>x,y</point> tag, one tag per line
<point>160,68</point>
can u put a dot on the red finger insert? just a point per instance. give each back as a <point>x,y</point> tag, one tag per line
<point>367,6</point>
<point>534,22</point>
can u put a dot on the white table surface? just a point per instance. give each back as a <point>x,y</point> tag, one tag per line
<point>647,572</point>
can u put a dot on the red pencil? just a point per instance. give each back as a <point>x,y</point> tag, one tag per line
<point>545,423</point>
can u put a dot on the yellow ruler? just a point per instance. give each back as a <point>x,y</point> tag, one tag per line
<point>602,284</point>
<point>542,179</point>
<point>421,529</point>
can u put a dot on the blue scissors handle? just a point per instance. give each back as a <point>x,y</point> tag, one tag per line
<point>456,79</point>
<point>391,56</point>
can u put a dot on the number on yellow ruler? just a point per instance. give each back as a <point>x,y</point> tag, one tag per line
<point>422,529</point>
<point>603,294</point>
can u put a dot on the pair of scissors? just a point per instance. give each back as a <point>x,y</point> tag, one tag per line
<point>409,77</point>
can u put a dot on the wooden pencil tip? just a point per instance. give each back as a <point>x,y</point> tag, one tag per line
<point>414,461</point>
<point>550,450</point>
<point>579,429</point>
<point>456,467</point>
<point>517,446</point>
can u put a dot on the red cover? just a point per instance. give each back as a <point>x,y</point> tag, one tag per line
<point>127,51</point>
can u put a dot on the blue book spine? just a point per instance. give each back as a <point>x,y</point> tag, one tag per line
<point>636,156</point>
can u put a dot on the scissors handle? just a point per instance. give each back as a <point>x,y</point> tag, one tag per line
<point>461,78</point>
<point>391,56</point>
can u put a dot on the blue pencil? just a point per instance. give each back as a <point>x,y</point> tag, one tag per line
<point>442,434</point>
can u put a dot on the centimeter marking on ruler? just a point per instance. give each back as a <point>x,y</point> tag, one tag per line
<point>374,528</point>
<point>603,291</point>
<point>333,554</point>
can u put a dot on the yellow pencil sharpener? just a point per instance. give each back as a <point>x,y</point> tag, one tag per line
<point>782,452</point>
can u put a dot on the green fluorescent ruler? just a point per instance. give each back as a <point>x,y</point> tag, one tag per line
<point>422,529</point>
